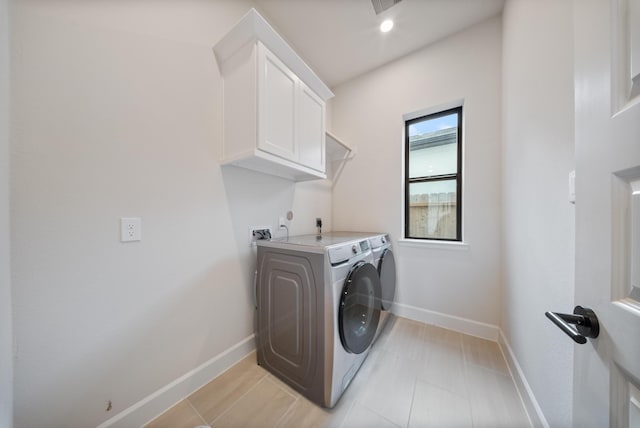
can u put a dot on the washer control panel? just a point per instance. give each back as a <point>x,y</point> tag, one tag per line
<point>345,252</point>
<point>379,241</point>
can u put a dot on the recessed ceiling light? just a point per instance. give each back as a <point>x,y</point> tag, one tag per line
<point>386,25</point>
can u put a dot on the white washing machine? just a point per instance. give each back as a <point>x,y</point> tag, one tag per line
<point>385,263</point>
<point>318,312</point>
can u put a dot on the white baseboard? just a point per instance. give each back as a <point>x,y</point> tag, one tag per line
<point>155,404</point>
<point>451,322</point>
<point>526,394</point>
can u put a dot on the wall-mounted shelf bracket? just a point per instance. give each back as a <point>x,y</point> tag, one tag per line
<point>338,153</point>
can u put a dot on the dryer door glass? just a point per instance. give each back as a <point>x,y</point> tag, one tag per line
<point>387,272</point>
<point>359,308</point>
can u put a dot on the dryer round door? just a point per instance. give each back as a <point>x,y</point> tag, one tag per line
<point>387,273</point>
<point>359,311</point>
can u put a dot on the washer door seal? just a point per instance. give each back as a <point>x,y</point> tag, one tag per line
<point>387,273</point>
<point>360,306</point>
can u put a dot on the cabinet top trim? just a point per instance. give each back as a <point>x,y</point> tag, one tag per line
<point>253,27</point>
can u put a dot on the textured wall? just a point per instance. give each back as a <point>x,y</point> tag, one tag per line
<point>539,222</point>
<point>6,342</point>
<point>118,113</point>
<point>368,113</point>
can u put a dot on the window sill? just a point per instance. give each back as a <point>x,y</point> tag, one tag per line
<point>445,245</point>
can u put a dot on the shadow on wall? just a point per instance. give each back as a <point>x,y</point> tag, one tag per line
<point>254,199</point>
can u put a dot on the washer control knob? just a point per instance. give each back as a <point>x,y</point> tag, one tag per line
<point>383,240</point>
<point>354,249</point>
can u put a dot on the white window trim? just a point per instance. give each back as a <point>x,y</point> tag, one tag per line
<point>431,110</point>
<point>434,243</point>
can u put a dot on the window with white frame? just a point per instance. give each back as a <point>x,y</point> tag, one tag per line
<point>433,176</point>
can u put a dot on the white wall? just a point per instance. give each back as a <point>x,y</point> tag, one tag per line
<point>367,113</point>
<point>539,225</point>
<point>6,342</point>
<point>118,112</point>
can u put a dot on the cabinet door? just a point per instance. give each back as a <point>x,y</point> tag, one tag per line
<point>276,106</point>
<point>310,128</point>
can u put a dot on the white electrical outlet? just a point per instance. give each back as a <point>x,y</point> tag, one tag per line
<point>130,229</point>
<point>281,223</point>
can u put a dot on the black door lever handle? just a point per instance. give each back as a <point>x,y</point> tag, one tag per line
<point>584,319</point>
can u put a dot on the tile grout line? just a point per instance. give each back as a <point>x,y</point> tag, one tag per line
<point>508,375</point>
<point>295,400</point>
<point>465,364</point>
<point>238,399</point>
<point>413,400</point>
<point>289,410</point>
<point>427,357</point>
<point>275,381</point>
<point>500,356</point>
<point>196,410</point>
<point>494,371</point>
<point>480,361</point>
<point>382,416</point>
<point>346,416</point>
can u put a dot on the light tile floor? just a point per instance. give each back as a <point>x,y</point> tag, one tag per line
<point>416,375</point>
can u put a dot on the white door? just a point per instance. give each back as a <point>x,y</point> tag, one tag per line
<point>276,106</point>
<point>607,124</point>
<point>310,128</point>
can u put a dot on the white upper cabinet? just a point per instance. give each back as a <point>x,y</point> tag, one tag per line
<point>277,89</point>
<point>274,105</point>
<point>310,128</point>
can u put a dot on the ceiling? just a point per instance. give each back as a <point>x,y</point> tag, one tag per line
<point>340,39</point>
